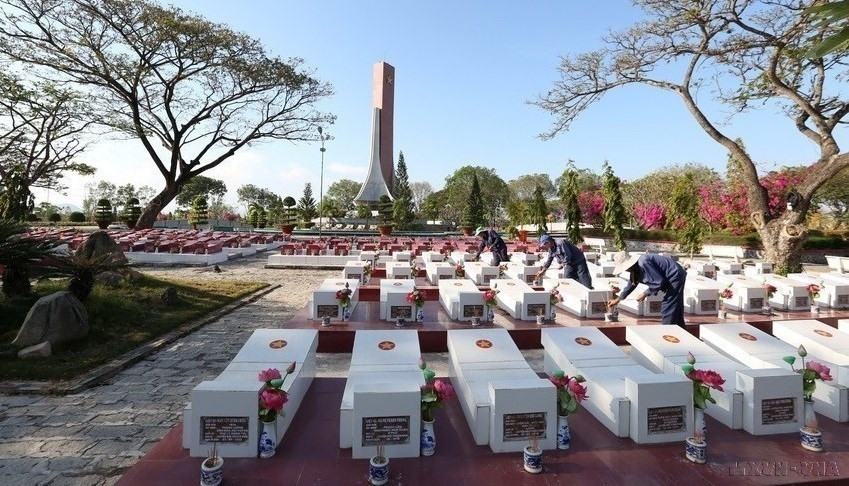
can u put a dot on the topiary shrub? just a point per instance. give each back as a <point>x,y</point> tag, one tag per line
<point>54,217</point>
<point>76,217</point>
<point>131,212</point>
<point>200,212</point>
<point>103,213</point>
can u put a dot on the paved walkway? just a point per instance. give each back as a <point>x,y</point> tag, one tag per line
<point>91,438</point>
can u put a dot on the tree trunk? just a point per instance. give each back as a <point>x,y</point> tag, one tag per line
<point>782,239</point>
<point>155,206</point>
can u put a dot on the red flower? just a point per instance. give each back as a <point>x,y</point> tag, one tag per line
<point>443,389</point>
<point>559,382</point>
<point>822,370</point>
<point>578,390</point>
<point>269,374</point>
<point>338,294</point>
<point>273,399</point>
<point>708,377</point>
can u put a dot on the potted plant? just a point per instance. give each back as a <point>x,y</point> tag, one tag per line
<point>289,216</point>
<point>811,372</point>
<point>212,468</point>
<point>271,401</point>
<point>434,395</point>
<point>103,213</point>
<point>384,212</point>
<point>703,380</point>
<point>378,467</point>
<point>570,393</point>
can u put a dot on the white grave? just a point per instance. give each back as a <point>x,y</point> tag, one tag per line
<point>369,256</point>
<point>749,294</point>
<point>437,271</point>
<point>518,271</point>
<point>819,339</point>
<point>398,270</point>
<point>789,294</point>
<point>432,256</point>
<point>325,303</point>
<point>480,273</point>
<point>728,268</point>
<point>460,257</point>
<point>523,258</point>
<point>833,293</point>
<point>701,294</point>
<point>705,269</point>
<point>628,399</point>
<point>393,299</point>
<point>601,269</point>
<point>650,306</point>
<point>577,299</point>
<point>355,269</point>
<point>758,269</point>
<point>461,299</point>
<point>520,300</point>
<point>403,256</point>
<point>382,396</point>
<point>505,402</point>
<point>758,350</point>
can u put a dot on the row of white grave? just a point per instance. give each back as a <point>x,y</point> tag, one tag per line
<point>224,411</point>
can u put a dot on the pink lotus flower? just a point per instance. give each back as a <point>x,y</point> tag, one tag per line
<point>578,390</point>
<point>269,374</point>
<point>273,399</point>
<point>443,389</point>
<point>559,382</point>
<point>708,377</point>
<point>822,370</point>
<point>291,368</point>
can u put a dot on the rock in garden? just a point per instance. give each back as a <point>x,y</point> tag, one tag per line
<point>57,318</point>
<point>109,279</point>
<point>170,297</point>
<point>42,350</point>
<point>99,243</point>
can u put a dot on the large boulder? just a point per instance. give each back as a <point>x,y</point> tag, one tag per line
<point>99,243</point>
<point>57,318</point>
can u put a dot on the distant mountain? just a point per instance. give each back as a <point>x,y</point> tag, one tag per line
<point>68,208</point>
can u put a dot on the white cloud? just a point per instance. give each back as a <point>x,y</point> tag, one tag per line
<point>347,169</point>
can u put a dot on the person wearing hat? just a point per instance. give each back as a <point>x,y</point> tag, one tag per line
<point>659,273</point>
<point>492,240</point>
<point>567,254</point>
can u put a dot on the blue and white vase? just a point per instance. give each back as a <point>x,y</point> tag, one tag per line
<point>699,422</point>
<point>490,314</point>
<point>428,444</point>
<point>533,459</point>
<point>346,313</point>
<point>811,438</point>
<point>268,439</point>
<point>696,452</point>
<point>212,475</point>
<point>378,470</point>
<point>419,314</point>
<point>553,313</point>
<point>564,437</point>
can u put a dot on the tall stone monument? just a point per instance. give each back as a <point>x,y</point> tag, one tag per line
<point>381,170</point>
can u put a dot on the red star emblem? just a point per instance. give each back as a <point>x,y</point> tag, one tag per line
<point>277,344</point>
<point>583,341</point>
<point>747,336</point>
<point>386,345</point>
<point>483,343</point>
<point>671,339</point>
<point>823,333</point>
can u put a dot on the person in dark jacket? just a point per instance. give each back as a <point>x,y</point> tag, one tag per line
<point>658,273</point>
<point>566,254</point>
<point>492,240</point>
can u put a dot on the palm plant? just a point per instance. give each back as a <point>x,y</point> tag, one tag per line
<point>83,270</point>
<point>17,254</point>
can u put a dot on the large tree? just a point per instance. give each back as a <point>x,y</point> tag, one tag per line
<point>614,209</point>
<point>197,89</point>
<point>494,192</point>
<point>569,191</point>
<point>751,52</point>
<point>342,193</point>
<point>524,187</point>
<point>250,194</point>
<point>41,138</point>
<point>419,191</point>
<point>207,187</point>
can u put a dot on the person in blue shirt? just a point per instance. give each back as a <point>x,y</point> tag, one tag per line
<point>567,254</point>
<point>492,240</point>
<point>658,273</point>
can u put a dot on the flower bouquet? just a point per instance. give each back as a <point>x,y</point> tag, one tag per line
<point>703,381</point>
<point>416,298</point>
<point>770,291</point>
<point>570,393</point>
<point>811,372</point>
<point>344,298</point>
<point>813,294</point>
<point>459,271</point>
<point>434,395</point>
<point>725,294</point>
<point>271,401</point>
<point>414,270</point>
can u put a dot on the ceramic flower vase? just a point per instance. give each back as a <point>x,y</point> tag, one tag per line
<point>696,451</point>
<point>325,321</point>
<point>533,459</point>
<point>766,310</point>
<point>564,437</point>
<point>811,438</point>
<point>268,439</point>
<point>346,313</point>
<point>722,314</point>
<point>428,441</point>
<point>490,314</point>
<point>815,309</point>
<point>476,321</point>
<point>399,322</point>
<point>211,472</point>
<point>700,424</point>
<point>611,317</point>
<point>540,320</point>
<point>378,470</point>
<point>419,314</point>
<point>553,313</point>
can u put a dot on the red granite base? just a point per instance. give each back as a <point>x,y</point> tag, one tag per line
<point>309,455</point>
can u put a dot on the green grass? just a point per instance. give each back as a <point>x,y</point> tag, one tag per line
<point>120,319</point>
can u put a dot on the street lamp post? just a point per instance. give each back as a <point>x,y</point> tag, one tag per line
<point>321,183</point>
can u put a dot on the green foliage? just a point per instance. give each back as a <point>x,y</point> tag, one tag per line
<point>614,210</point>
<point>587,180</point>
<point>458,188</point>
<point>363,211</point>
<point>306,205</point>
<point>16,200</point>
<point>517,212</point>
<point>131,212</point>
<point>103,212</point>
<point>384,210</point>
<point>18,253</point>
<point>569,191</point>
<point>434,206</point>
<point>82,270</point>
<point>473,214</point>
<point>289,215</point>
<point>683,215</point>
<point>200,185</point>
<point>200,212</point>
<point>342,193</point>
<point>54,217</point>
<point>257,216</point>
<point>539,212</point>
<point>76,217</point>
<point>403,206</point>
<point>834,13</point>
<point>523,187</point>
<point>250,194</point>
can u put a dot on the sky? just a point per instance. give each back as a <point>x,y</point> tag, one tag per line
<point>464,73</point>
